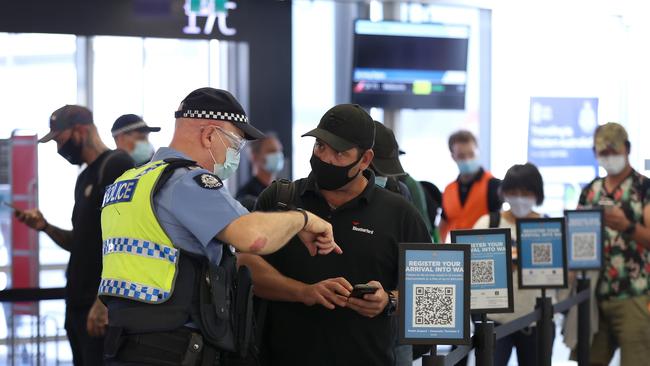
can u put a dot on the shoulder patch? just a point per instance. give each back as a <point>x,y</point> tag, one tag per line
<point>208,181</point>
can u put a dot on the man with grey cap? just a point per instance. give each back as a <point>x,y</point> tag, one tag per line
<point>131,134</point>
<point>623,290</point>
<point>79,143</point>
<point>315,317</point>
<point>168,270</point>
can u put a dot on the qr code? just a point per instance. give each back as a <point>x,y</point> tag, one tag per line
<point>483,272</point>
<point>434,306</point>
<point>584,246</point>
<point>542,253</point>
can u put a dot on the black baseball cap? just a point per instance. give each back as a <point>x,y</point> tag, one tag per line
<point>386,161</point>
<point>344,127</point>
<point>67,117</point>
<point>130,122</point>
<point>217,104</point>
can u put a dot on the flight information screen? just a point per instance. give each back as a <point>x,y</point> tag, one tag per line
<point>409,65</point>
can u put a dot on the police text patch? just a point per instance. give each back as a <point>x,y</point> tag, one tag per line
<point>208,181</point>
<point>121,191</point>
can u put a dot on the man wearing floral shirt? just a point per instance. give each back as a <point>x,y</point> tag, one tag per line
<point>623,290</point>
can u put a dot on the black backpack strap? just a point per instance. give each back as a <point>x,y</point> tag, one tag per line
<point>173,164</point>
<point>284,193</point>
<point>495,219</point>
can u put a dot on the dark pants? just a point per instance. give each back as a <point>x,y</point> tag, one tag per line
<point>526,343</point>
<point>86,350</point>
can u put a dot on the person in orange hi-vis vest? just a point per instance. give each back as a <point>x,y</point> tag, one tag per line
<point>474,193</point>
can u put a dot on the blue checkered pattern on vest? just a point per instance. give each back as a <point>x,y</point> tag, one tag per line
<point>140,247</point>
<point>132,290</point>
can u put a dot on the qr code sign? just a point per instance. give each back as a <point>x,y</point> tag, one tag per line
<point>434,306</point>
<point>483,272</point>
<point>542,253</point>
<point>584,246</point>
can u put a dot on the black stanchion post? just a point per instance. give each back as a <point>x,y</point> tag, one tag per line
<point>544,330</point>
<point>584,323</point>
<point>485,339</point>
<point>433,359</point>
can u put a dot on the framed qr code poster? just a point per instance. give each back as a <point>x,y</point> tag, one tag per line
<point>490,269</point>
<point>434,293</point>
<point>541,248</point>
<point>584,235</point>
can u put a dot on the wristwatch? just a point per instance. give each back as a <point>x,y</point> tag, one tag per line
<point>391,307</point>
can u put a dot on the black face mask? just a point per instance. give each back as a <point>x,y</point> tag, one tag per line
<point>71,152</point>
<point>331,177</point>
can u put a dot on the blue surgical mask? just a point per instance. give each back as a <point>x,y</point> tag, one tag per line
<point>229,166</point>
<point>274,162</point>
<point>469,166</point>
<point>142,152</point>
<point>381,181</point>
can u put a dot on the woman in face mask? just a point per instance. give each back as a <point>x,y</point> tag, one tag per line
<point>522,189</point>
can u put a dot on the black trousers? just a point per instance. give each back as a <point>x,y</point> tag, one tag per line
<point>86,350</point>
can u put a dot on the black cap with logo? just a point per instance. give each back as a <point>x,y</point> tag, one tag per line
<point>386,161</point>
<point>67,117</point>
<point>217,104</point>
<point>344,127</point>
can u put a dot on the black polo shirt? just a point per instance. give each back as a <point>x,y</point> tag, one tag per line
<point>368,229</point>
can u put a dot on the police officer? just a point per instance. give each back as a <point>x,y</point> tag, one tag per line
<point>131,134</point>
<point>164,227</point>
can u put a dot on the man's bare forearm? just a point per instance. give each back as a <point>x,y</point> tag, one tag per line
<point>269,283</point>
<point>62,238</point>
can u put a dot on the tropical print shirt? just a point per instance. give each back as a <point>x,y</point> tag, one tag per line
<point>627,263</point>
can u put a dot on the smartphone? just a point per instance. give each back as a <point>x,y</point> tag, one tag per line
<point>11,206</point>
<point>359,290</point>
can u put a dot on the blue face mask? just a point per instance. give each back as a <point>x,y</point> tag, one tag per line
<point>229,166</point>
<point>469,166</point>
<point>142,152</point>
<point>274,162</point>
<point>381,181</point>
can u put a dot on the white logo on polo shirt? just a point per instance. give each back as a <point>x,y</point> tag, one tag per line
<point>355,227</point>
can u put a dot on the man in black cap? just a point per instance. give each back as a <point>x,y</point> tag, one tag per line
<point>312,318</point>
<point>166,225</point>
<point>131,134</point>
<point>79,143</point>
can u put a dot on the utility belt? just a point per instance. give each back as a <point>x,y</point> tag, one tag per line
<point>180,347</point>
<point>217,298</point>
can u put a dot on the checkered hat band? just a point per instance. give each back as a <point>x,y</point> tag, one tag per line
<point>222,116</point>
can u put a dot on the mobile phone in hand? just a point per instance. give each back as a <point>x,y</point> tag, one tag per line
<point>11,206</point>
<point>359,290</point>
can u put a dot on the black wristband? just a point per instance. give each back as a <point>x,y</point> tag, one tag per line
<point>304,214</point>
<point>47,224</point>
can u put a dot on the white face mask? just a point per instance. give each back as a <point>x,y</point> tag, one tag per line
<point>613,164</point>
<point>520,206</point>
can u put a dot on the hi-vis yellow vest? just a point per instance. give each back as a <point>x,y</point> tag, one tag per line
<point>139,260</point>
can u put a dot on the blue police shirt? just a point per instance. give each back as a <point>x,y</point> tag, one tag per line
<point>192,215</point>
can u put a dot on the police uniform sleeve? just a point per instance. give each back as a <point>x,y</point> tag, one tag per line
<point>202,204</point>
